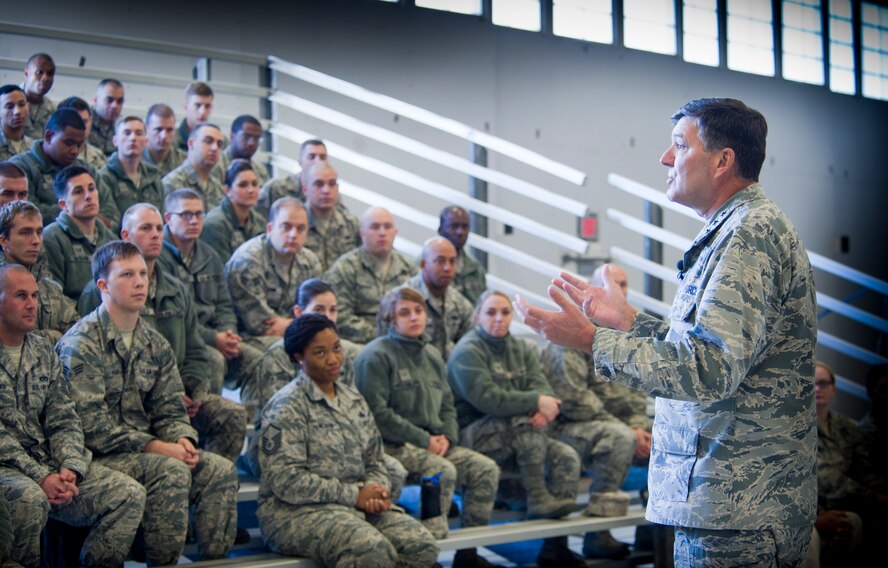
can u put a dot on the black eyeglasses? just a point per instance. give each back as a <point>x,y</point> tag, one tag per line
<point>189,215</point>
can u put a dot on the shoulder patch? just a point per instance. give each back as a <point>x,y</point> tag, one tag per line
<point>271,440</point>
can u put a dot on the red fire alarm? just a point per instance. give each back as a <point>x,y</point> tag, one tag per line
<point>587,227</point>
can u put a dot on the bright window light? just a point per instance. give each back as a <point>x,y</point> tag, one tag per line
<point>590,20</point>
<point>750,36</point>
<point>874,30</point>
<point>803,41</point>
<point>841,48</point>
<point>472,7</point>
<point>649,25</point>
<point>700,32</point>
<point>519,14</point>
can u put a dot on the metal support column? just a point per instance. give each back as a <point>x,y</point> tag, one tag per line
<point>478,190</point>
<point>653,250</point>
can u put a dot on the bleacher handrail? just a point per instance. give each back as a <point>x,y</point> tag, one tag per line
<point>437,190</point>
<point>423,116</point>
<point>417,148</point>
<point>819,261</point>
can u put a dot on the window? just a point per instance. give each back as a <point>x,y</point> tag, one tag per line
<point>649,25</point>
<point>700,33</point>
<point>841,48</point>
<point>520,14</point>
<point>803,41</point>
<point>591,20</point>
<point>472,7</point>
<point>750,36</point>
<point>874,31</point>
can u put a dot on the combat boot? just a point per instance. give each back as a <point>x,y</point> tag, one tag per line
<point>540,503</point>
<point>603,545</point>
<point>556,554</point>
<point>468,558</point>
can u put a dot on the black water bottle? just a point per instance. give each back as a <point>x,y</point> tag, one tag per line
<point>430,496</point>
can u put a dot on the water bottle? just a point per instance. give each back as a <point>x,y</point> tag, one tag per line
<point>430,496</point>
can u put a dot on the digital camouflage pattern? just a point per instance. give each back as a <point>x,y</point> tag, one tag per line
<point>101,134</point>
<point>128,397</point>
<point>212,191</point>
<point>225,233</point>
<point>842,465</point>
<point>261,288</point>
<point>173,160</point>
<point>315,456</point>
<point>787,546</point>
<point>259,168</point>
<point>40,171</point>
<point>734,436</point>
<point>42,434</point>
<point>38,116</point>
<point>470,278</point>
<point>93,156</point>
<point>117,192</point>
<point>333,237</point>
<point>271,191</point>
<point>8,148</point>
<point>447,318</point>
<point>360,287</point>
<point>69,252</point>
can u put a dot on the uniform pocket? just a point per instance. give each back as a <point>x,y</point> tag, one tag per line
<point>673,455</point>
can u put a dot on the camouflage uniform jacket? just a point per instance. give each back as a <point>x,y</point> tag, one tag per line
<point>841,465</point>
<point>101,135</point>
<point>9,149</point>
<point>261,288</point>
<point>734,436</point>
<point>40,172</point>
<point>117,192</point>
<point>125,397</point>
<point>173,160</point>
<point>93,156</point>
<point>470,277</point>
<point>224,233</point>
<point>41,432</point>
<point>339,237</point>
<point>272,190</point>
<point>56,312</point>
<point>38,116</point>
<point>403,381</point>
<point>68,253</point>
<point>172,313</point>
<point>447,319</point>
<point>586,398</point>
<point>180,138</point>
<point>359,289</point>
<point>496,376</point>
<point>875,443</point>
<point>184,176</point>
<point>205,278</point>
<point>5,530</point>
<point>258,167</point>
<point>314,452</point>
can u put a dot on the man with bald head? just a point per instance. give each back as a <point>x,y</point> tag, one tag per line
<point>470,278</point>
<point>449,313</point>
<point>362,276</point>
<point>201,170</point>
<point>39,77</point>
<point>332,230</point>
<point>107,106</point>
<point>310,152</point>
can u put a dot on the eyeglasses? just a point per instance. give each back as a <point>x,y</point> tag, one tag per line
<point>823,384</point>
<point>189,215</point>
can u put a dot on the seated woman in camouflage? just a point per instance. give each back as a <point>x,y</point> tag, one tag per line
<point>504,405</point>
<point>402,377</point>
<point>324,489</point>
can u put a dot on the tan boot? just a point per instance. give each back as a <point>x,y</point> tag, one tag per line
<point>540,503</point>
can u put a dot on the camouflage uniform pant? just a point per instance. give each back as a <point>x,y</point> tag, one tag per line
<point>336,535</point>
<point>704,548</point>
<point>222,426</point>
<point>513,440</point>
<point>211,487</point>
<point>396,472</point>
<point>478,476</point>
<point>606,449</point>
<point>109,502</point>
<point>231,373</point>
